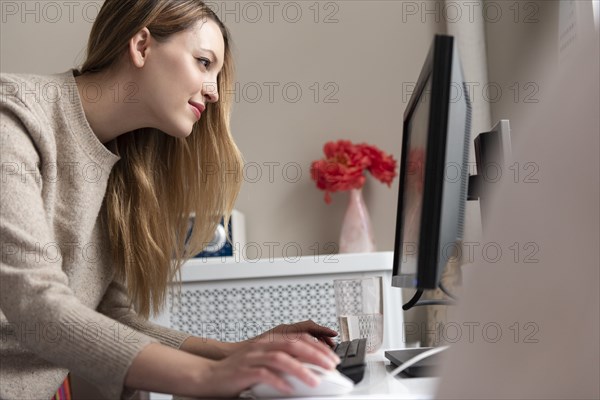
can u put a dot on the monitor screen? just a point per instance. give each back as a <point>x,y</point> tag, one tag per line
<point>431,201</point>
<point>412,192</point>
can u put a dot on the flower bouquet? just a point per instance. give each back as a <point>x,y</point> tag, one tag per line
<point>343,169</point>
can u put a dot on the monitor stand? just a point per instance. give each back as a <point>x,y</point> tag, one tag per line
<point>423,368</point>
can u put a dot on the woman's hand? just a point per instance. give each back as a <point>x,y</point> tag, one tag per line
<point>292,332</point>
<point>216,350</point>
<point>263,361</point>
<point>160,368</point>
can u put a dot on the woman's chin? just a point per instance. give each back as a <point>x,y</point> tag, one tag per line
<point>180,131</point>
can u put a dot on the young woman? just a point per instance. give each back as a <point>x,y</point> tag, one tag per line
<point>101,168</point>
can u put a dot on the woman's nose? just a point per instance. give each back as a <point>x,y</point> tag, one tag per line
<point>210,92</point>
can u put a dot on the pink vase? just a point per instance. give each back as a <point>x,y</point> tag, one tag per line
<point>357,234</point>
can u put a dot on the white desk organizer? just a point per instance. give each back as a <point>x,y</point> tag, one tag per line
<point>232,300</point>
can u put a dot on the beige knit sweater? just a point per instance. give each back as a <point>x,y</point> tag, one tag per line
<point>60,308</point>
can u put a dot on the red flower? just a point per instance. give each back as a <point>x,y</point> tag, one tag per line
<point>344,164</point>
<point>383,166</point>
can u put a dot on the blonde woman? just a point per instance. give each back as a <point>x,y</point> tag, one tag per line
<point>101,167</point>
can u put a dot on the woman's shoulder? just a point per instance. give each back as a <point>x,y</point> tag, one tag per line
<point>29,87</point>
<point>36,77</point>
<point>35,97</point>
<point>29,103</point>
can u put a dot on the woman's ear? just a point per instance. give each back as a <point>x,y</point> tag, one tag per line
<point>138,47</point>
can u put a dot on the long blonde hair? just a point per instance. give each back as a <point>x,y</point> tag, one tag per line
<point>161,180</point>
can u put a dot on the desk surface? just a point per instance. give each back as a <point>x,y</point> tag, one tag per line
<point>378,383</point>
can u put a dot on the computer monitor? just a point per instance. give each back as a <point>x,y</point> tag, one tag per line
<point>434,181</point>
<point>433,169</point>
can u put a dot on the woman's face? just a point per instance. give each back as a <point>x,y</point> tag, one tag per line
<point>180,72</point>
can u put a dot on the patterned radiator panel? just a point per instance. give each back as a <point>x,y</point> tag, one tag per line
<point>239,313</point>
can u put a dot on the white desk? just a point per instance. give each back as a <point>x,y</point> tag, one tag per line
<point>379,384</point>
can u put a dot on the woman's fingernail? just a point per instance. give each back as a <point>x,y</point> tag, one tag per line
<point>314,380</point>
<point>331,363</point>
<point>334,357</point>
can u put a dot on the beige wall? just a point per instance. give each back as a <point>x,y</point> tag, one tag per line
<point>527,55</point>
<point>362,61</point>
<point>44,36</point>
<point>522,51</point>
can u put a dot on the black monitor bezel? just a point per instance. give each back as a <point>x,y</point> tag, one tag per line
<point>438,66</point>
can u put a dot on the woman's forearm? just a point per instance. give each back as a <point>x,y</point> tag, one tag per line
<point>208,348</point>
<point>160,368</point>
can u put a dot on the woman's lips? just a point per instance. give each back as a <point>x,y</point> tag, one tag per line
<point>197,108</point>
<point>197,112</point>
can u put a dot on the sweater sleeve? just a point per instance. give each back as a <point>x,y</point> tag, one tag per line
<point>35,295</point>
<point>115,304</point>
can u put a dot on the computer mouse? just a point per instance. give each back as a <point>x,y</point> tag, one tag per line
<point>332,383</point>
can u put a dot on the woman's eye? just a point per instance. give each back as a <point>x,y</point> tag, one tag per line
<point>204,61</point>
